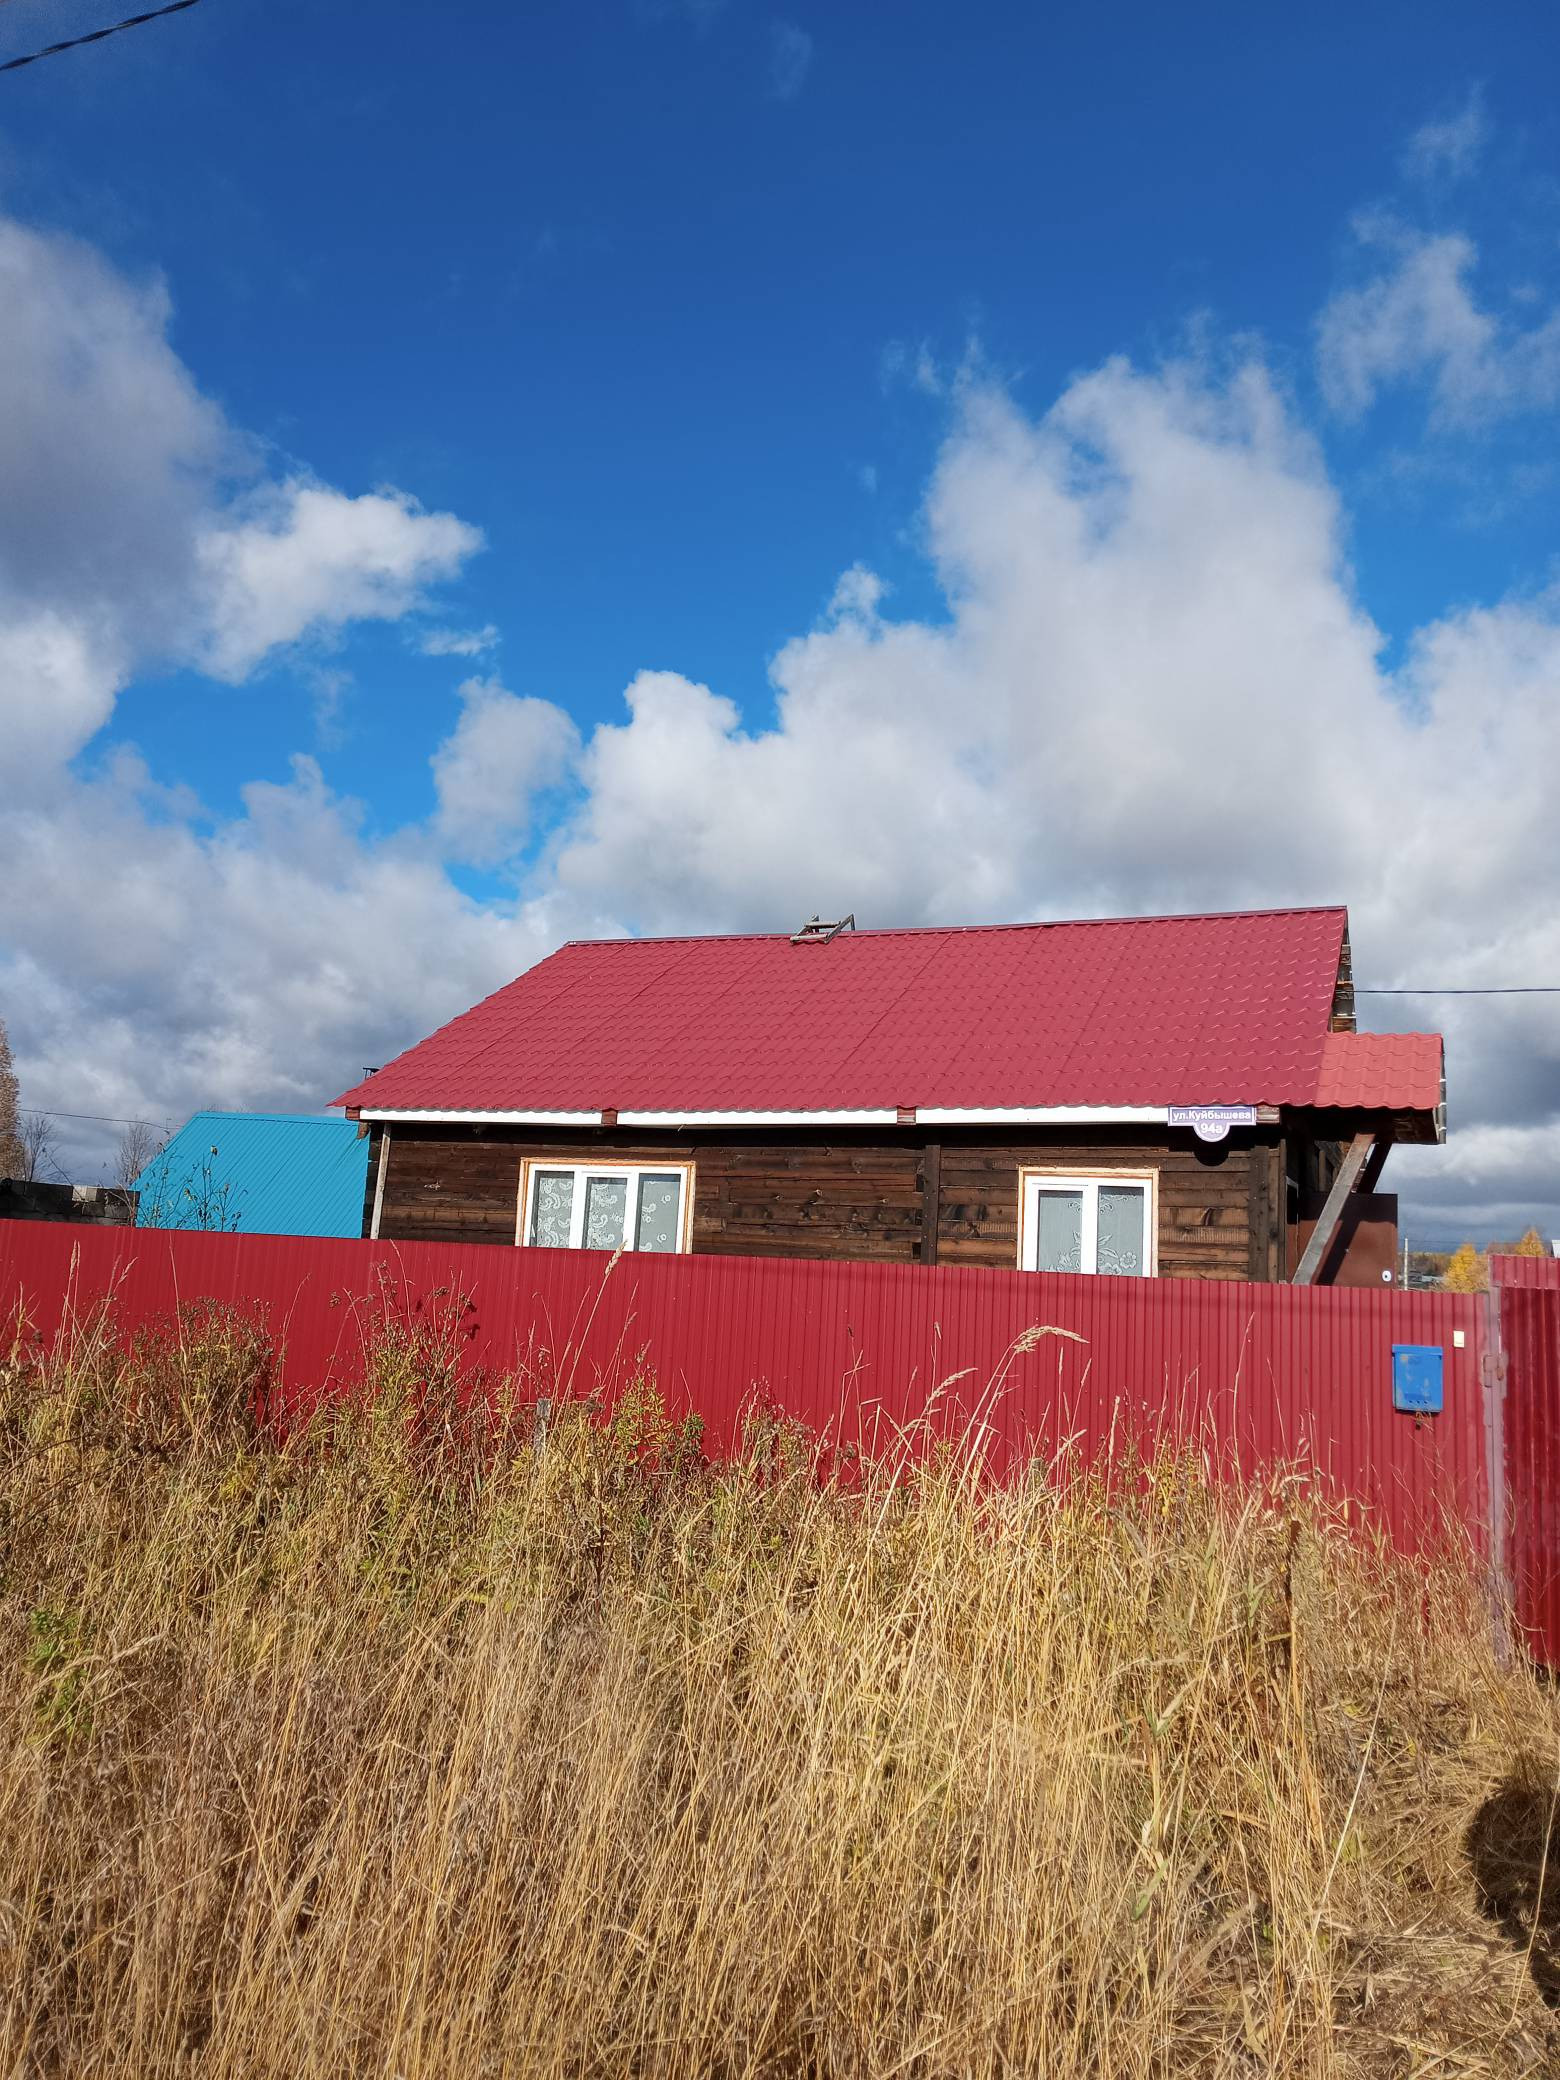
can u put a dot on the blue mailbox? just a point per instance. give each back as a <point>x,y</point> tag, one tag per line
<point>1416,1378</point>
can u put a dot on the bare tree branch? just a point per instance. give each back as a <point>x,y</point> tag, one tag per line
<point>138,1144</point>
<point>40,1152</point>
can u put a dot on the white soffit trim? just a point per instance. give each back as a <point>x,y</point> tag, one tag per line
<point>759,1119</point>
<point>1043,1115</point>
<point>1017,1115</point>
<point>498,1119</point>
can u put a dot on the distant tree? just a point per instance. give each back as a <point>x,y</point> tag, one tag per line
<point>1531,1245</point>
<point>138,1144</point>
<point>40,1151</point>
<point>1468,1272</point>
<point>10,1118</point>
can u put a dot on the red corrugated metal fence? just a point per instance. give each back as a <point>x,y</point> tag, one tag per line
<point>1528,1272</point>
<point>1267,1372</point>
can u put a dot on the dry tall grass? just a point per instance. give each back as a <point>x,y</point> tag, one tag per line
<point>393,1753</point>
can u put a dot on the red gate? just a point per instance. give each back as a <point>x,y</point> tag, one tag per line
<point>1525,1348</point>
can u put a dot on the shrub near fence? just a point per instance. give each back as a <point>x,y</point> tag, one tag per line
<point>857,1352</point>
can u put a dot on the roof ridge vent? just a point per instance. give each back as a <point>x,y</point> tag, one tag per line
<point>818,931</point>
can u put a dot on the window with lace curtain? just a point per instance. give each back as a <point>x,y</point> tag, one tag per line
<point>1102,1224</point>
<point>610,1206</point>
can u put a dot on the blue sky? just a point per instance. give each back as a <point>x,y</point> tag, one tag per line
<point>688,310</point>
<point>579,275</point>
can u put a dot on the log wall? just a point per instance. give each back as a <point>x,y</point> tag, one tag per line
<point>884,1196</point>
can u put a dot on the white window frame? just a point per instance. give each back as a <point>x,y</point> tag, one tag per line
<point>582,1173</point>
<point>1031,1183</point>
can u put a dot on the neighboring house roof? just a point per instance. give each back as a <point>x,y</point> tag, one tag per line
<point>270,1173</point>
<point>1133,1013</point>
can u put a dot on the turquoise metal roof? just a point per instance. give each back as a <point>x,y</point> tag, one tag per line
<point>259,1173</point>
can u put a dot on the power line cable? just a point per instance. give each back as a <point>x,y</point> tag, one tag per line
<point>1518,989</point>
<point>106,1119</point>
<point>74,43</point>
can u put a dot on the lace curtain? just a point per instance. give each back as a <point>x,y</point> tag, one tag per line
<point>606,1222</point>
<point>660,1207</point>
<point>606,1203</point>
<point>1120,1244</point>
<point>1060,1231</point>
<point>552,1209</point>
<point>1120,1228</point>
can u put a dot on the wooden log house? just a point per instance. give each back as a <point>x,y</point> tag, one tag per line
<point>1180,1097</point>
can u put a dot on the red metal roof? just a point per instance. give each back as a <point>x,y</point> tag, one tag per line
<point>1119,1012</point>
<point>1398,1072</point>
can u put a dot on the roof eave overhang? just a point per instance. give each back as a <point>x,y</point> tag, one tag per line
<point>1422,1126</point>
<point>877,1116</point>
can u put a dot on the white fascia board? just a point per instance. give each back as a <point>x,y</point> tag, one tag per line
<point>949,1116</point>
<point>759,1119</point>
<point>1043,1116</point>
<point>495,1119</point>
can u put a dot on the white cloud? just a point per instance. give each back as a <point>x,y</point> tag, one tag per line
<point>504,750</point>
<point>305,560</point>
<point>1416,318</point>
<point>57,689</point>
<point>457,642</point>
<point>790,60</point>
<point>151,967</point>
<point>1128,578</point>
<point>137,527</point>
<point>109,455</point>
<point>914,364</point>
<point>1448,148</point>
<point>857,592</point>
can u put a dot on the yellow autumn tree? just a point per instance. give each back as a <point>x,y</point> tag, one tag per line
<point>1468,1272</point>
<point>1531,1245</point>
